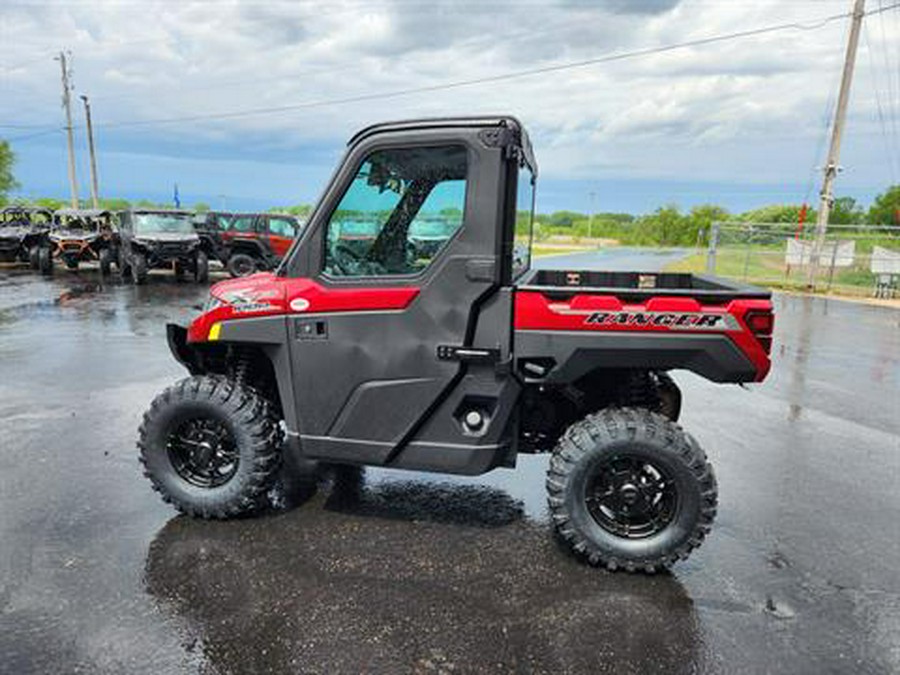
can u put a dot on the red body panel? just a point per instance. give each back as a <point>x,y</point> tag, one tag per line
<point>265,294</point>
<point>279,244</point>
<point>675,315</point>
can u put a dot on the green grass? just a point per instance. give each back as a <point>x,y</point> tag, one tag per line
<point>765,266</point>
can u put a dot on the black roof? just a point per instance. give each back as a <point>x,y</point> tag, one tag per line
<point>82,213</point>
<point>19,208</point>
<point>507,121</point>
<point>153,209</point>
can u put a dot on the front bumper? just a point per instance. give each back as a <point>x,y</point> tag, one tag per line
<point>176,336</point>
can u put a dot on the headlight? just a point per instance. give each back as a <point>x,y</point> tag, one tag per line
<point>146,243</point>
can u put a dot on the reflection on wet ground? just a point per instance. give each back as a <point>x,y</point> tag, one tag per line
<point>391,585</point>
<point>404,572</point>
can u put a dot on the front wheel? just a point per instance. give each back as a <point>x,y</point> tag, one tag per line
<point>139,268</point>
<point>34,257</point>
<point>105,256</point>
<point>211,447</point>
<point>201,268</point>
<point>628,489</point>
<point>45,261</point>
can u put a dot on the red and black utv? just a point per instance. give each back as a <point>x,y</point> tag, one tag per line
<point>456,357</point>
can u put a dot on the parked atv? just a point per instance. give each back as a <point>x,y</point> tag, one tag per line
<point>456,356</point>
<point>160,239</point>
<point>23,231</point>
<point>252,242</point>
<point>77,236</point>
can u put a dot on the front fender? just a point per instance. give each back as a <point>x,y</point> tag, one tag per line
<point>184,353</point>
<point>268,335</point>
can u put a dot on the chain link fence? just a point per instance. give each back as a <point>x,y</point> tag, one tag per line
<point>854,259</point>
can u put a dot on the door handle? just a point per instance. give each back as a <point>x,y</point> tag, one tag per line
<point>311,329</point>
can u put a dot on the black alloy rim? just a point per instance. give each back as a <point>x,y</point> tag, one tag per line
<point>631,497</point>
<point>245,268</point>
<point>203,452</point>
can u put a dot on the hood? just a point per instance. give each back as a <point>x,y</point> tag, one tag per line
<point>259,286</point>
<point>168,237</point>
<point>84,235</point>
<point>14,231</point>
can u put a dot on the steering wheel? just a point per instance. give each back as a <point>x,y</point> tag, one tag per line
<point>350,263</point>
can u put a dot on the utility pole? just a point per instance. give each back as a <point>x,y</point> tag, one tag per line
<point>95,199</point>
<point>834,150</point>
<point>67,104</point>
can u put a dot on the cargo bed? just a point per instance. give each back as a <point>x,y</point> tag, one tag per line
<point>639,286</point>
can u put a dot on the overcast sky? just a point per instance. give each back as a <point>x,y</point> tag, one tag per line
<point>740,122</point>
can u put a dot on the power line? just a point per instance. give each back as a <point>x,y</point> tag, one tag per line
<point>890,140</point>
<point>495,78</point>
<point>489,79</point>
<point>46,132</point>
<point>501,38</point>
<point>892,104</point>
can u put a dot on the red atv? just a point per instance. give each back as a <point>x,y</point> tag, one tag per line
<point>455,357</point>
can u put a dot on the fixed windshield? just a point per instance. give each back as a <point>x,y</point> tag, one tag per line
<point>524,232</point>
<point>156,223</point>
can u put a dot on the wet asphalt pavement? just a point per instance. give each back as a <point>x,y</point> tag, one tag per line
<point>394,572</point>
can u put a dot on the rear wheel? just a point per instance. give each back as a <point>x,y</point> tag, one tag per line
<point>45,261</point>
<point>211,447</point>
<point>241,265</point>
<point>628,489</point>
<point>201,267</point>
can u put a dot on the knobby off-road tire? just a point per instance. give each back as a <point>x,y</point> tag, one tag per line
<point>45,261</point>
<point>602,451</point>
<point>139,268</point>
<point>241,265</point>
<point>34,257</point>
<point>201,268</point>
<point>255,443</point>
<point>106,257</point>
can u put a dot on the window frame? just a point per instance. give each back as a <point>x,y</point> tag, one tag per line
<point>393,278</point>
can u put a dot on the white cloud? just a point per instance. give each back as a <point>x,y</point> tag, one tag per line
<point>653,116</point>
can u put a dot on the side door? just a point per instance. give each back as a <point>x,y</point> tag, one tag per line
<point>393,347</point>
<point>281,232</point>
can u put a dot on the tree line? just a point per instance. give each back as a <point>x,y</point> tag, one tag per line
<point>667,225</point>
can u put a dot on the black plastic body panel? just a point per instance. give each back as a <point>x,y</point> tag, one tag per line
<point>575,354</point>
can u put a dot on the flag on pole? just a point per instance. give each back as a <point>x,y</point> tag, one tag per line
<point>175,197</point>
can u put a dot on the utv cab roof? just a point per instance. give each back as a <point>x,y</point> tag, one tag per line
<point>519,135</point>
<point>17,208</point>
<point>82,213</point>
<point>165,212</point>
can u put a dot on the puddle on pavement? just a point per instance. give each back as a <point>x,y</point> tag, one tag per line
<point>398,575</point>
